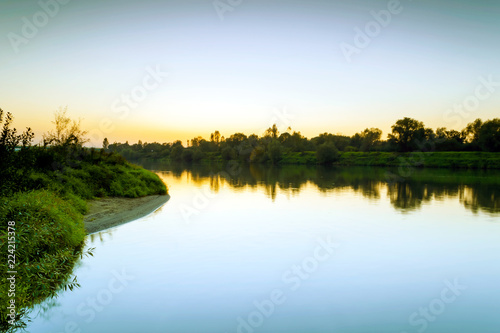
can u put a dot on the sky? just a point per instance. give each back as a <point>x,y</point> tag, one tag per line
<point>175,69</point>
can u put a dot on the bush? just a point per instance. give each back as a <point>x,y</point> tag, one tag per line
<point>327,153</point>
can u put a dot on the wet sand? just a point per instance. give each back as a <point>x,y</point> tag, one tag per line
<point>110,212</point>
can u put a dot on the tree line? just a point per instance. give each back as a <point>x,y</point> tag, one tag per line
<point>407,135</point>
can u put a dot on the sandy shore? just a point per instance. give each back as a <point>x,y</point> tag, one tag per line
<point>109,212</point>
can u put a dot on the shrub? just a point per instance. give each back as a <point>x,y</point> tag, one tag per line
<point>327,153</point>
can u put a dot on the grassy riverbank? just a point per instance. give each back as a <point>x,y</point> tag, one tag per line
<point>43,203</point>
<point>461,160</point>
<point>453,160</point>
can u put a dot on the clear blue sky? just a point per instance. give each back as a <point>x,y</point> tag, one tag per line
<point>242,67</point>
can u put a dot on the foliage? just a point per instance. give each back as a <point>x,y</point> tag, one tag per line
<point>89,173</point>
<point>274,151</point>
<point>49,237</point>
<point>67,132</point>
<point>488,137</point>
<point>458,160</point>
<point>43,190</point>
<point>408,135</point>
<point>327,153</point>
<point>12,171</point>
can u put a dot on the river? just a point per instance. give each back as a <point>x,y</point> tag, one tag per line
<point>295,249</point>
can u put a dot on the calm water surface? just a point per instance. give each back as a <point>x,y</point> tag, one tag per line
<point>296,249</point>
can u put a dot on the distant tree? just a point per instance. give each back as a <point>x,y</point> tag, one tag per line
<point>195,142</point>
<point>176,153</point>
<point>448,140</point>
<point>327,153</point>
<point>406,133</point>
<point>105,144</point>
<point>187,155</point>
<point>198,155</point>
<point>338,140</point>
<point>367,139</point>
<point>236,139</point>
<point>215,137</point>
<point>13,165</point>
<point>67,132</point>
<point>297,142</point>
<point>177,143</point>
<point>489,135</point>
<point>258,154</point>
<point>9,139</point>
<point>245,149</point>
<point>272,132</point>
<point>471,131</point>
<point>228,153</point>
<point>274,151</point>
<point>284,137</point>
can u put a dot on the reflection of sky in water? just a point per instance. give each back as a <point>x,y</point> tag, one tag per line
<point>202,274</point>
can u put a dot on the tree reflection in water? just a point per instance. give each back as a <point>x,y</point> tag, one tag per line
<point>477,190</point>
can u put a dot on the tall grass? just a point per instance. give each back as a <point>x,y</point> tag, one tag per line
<point>49,237</point>
<point>47,206</point>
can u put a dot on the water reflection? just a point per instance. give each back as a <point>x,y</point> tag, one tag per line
<point>100,236</point>
<point>476,190</point>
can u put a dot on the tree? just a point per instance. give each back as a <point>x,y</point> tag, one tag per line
<point>195,142</point>
<point>12,164</point>
<point>272,132</point>
<point>471,131</point>
<point>448,140</point>
<point>215,137</point>
<point>489,135</point>
<point>327,153</point>
<point>367,139</point>
<point>274,151</point>
<point>406,134</point>
<point>105,144</point>
<point>9,139</point>
<point>67,132</point>
<point>176,153</point>
<point>228,153</point>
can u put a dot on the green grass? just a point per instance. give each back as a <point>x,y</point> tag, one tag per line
<point>453,160</point>
<point>48,209</point>
<point>461,160</point>
<point>90,175</point>
<point>49,237</point>
<point>303,158</point>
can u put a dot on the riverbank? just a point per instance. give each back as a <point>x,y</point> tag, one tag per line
<point>448,160</point>
<point>453,160</point>
<point>109,212</point>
